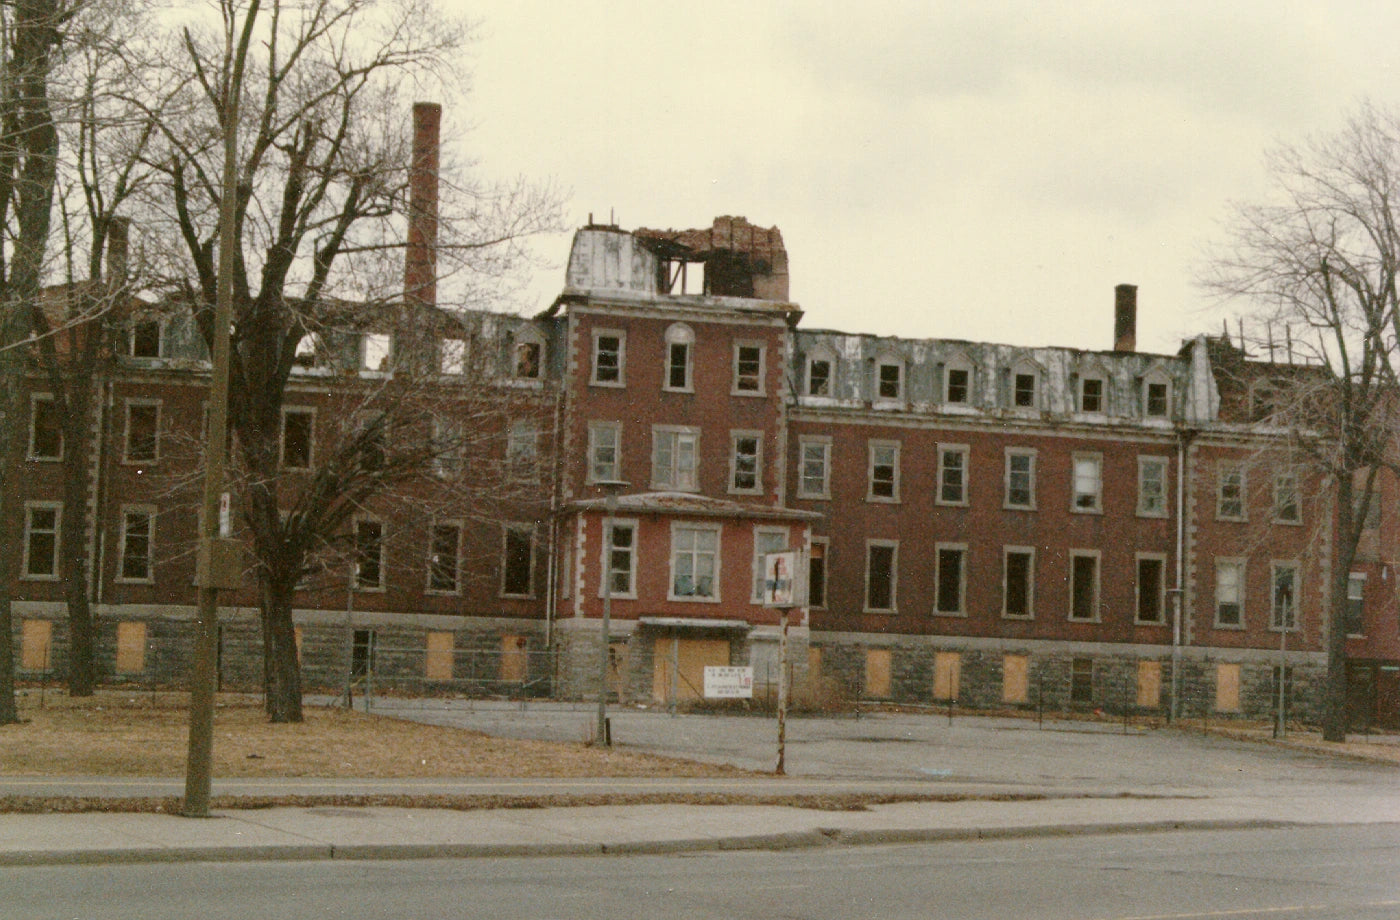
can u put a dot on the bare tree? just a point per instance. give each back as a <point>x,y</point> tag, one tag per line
<point>31,32</point>
<point>324,163</point>
<point>1317,263</point>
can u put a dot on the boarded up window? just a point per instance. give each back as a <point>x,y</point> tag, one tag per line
<point>437,663</point>
<point>877,672</point>
<point>814,664</point>
<point>515,659</point>
<point>1149,684</point>
<point>131,648</point>
<point>679,666</point>
<point>36,644</point>
<point>296,634</point>
<point>1227,688</point>
<point>1015,678</point>
<point>947,670</point>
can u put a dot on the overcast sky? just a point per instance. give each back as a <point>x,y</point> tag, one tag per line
<point>984,171</point>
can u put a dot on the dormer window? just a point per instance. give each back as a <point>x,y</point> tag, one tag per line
<point>680,347</point>
<point>1091,394</point>
<point>1156,395</point>
<point>889,380</point>
<point>1023,391</point>
<point>452,357</point>
<point>147,339</point>
<point>957,382</point>
<point>527,360</point>
<point>821,374</point>
<point>309,351</point>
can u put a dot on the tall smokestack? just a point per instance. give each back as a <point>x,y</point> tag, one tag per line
<point>420,261</point>
<point>1125,317</point>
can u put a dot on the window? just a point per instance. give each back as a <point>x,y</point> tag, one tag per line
<point>765,540</point>
<point>362,648</point>
<point>1286,507</point>
<point>609,358</point>
<point>604,452</point>
<point>1024,390</point>
<point>1081,680</point>
<point>376,351</point>
<point>952,474</point>
<point>1230,494</point>
<point>1088,482</point>
<point>1084,585</point>
<point>621,558</point>
<point>45,428</point>
<point>748,369</point>
<point>1151,588</point>
<point>694,562</point>
<point>957,385</point>
<point>889,379</point>
<point>745,466</point>
<point>449,447</point>
<point>147,339</point>
<point>518,560</point>
<point>1020,478</point>
<point>1284,596</point>
<point>41,528</point>
<point>297,427</point>
<point>1152,487</point>
<point>816,573</point>
<point>529,357</point>
<point>369,555</point>
<point>819,375</point>
<point>1091,394</point>
<point>1229,593</point>
<point>884,471</point>
<point>815,479</point>
<point>1018,582</point>
<point>142,427</point>
<point>522,449</point>
<point>1156,399</point>
<point>137,537</point>
<point>1356,604</point>
<point>372,433</point>
<point>880,559</point>
<point>680,340</point>
<point>952,578</point>
<point>444,554</point>
<point>673,458</point>
<point>452,357</point>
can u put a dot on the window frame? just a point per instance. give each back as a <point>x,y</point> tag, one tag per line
<point>1239,565</point>
<point>1144,463</point>
<point>55,534</point>
<point>1006,553</point>
<point>310,412</point>
<point>1076,506</point>
<point>381,564</point>
<point>1161,594</point>
<point>140,403</point>
<point>609,553</point>
<point>965,453</point>
<point>1081,393</point>
<point>739,379</point>
<point>1156,379</point>
<point>433,568</point>
<point>815,357</point>
<point>683,336</point>
<point>1029,454</point>
<point>524,340</point>
<point>1356,579</point>
<point>677,435</point>
<point>784,543</point>
<point>735,436</point>
<point>523,449</point>
<point>1276,567</point>
<point>508,530</point>
<point>594,379</point>
<point>897,364</point>
<point>716,531</point>
<point>961,549</point>
<point>369,346</point>
<point>877,444</point>
<point>120,576</point>
<point>1291,477</point>
<point>1097,598</point>
<point>823,444</point>
<point>35,399</point>
<point>817,600</point>
<point>960,364</point>
<point>893,547</point>
<point>595,447</point>
<point>160,324</point>
<point>1225,473</point>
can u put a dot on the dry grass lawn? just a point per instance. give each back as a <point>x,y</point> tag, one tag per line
<point>144,734</point>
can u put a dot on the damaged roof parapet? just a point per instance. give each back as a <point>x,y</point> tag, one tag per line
<point>740,260</point>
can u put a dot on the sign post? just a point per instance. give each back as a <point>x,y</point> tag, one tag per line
<point>780,591</point>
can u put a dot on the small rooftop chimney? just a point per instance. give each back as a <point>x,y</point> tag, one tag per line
<point>1125,317</point>
<point>420,261</point>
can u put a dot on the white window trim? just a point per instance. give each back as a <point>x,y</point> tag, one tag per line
<point>528,335</point>
<point>755,581</point>
<point>679,334</point>
<point>718,531</point>
<point>1221,472</point>
<point>1276,565</point>
<point>960,363</point>
<point>762,369</point>
<point>944,450</point>
<point>523,449</point>
<point>1102,378</point>
<point>1097,556</point>
<point>150,512</point>
<point>129,404</point>
<point>34,400</point>
<point>897,362</point>
<point>386,361</point>
<point>527,528</point>
<point>605,551</point>
<point>1074,507</point>
<point>938,549</point>
<point>382,587</point>
<point>456,559</point>
<point>593,446</point>
<point>870,495</point>
<point>894,578</point>
<point>680,431</point>
<point>57,508</point>
<point>1145,460</point>
<point>1297,501</point>
<point>734,436</point>
<point>1010,452</point>
<point>621,336</point>
<point>1241,564</point>
<point>1138,559</point>
<point>1025,369</point>
<point>820,354</point>
<point>823,442</point>
<point>310,435</point>
<point>1030,583</point>
<point>1156,376</point>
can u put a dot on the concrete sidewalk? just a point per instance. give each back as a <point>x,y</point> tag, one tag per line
<point>407,833</point>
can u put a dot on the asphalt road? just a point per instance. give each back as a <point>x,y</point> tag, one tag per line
<point>1326,873</point>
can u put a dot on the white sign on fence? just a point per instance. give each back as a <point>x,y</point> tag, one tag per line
<point>728,683</point>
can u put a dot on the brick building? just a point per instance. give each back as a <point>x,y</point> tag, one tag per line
<point>1004,526</point>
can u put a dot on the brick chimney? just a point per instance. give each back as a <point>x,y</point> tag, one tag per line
<point>1125,317</point>
<point>118,236</point>
<point>420,261</point>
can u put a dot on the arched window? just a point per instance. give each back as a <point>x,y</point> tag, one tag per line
<point>680,358</point>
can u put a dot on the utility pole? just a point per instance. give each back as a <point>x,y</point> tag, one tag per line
<point>217,565</point>
<point>610,489</point>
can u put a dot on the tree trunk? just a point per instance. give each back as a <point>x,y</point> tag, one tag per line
<point>283,675</point>
<point>10,528</point>
<point>77,454</point>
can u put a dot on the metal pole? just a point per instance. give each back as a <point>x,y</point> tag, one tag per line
<point>1174,709</point>
<point>199,763</point>
<point>782,693</point>
<point>603,736</point>
<point>1280,727</point>
<point>350,636</point>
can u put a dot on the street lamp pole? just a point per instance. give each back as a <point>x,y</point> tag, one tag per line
<point>610,490</point>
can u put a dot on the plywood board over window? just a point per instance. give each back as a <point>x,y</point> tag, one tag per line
<point>36,644</point>
<point>1015,678</point>
<point>678,670</point>
<point>877,673</point>
<point>515,659</point>
<point>1149,684</point>
<point>437,662</point>
<point>131,647</point>
<point>947,672</point>
<point>1227,688</point>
